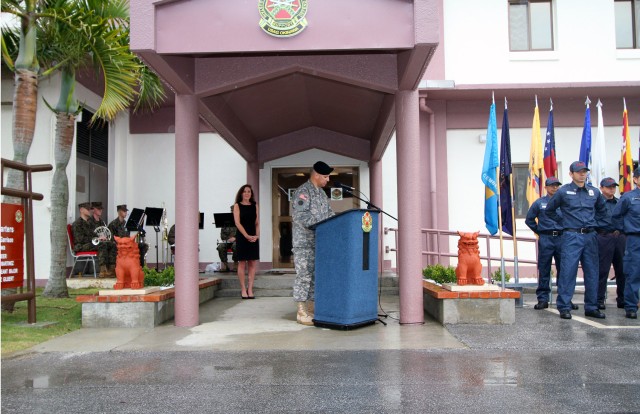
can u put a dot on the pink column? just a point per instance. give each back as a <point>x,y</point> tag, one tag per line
<point>253,178</point>
<point>187,211</point>
<point>375,182</point>
<point>409,207</point>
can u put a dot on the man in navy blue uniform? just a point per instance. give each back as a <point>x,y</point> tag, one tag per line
<point>610,245</point>
<point>628,209</point>
<point>549,241</point>
<point>579,202</point>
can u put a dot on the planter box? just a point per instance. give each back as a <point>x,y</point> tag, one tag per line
<point>493,307</point>
<point>137,311</point>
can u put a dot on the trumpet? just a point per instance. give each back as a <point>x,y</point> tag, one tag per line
<point>102,234</point>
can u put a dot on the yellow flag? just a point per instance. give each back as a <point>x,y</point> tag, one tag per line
<point>535,160</point>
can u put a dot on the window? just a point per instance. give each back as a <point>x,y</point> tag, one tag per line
<point>530,25</point>
<point>627,14</point>
<point>520,204</point>
<point>520,175</point>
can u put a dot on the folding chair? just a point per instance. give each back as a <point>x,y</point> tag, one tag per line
<point>85,257</point>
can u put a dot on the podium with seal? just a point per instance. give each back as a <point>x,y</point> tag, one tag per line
<point>346,270</point>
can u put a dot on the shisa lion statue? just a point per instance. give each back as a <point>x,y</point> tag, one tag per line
<point>469,269</point>
<point>129,274</point>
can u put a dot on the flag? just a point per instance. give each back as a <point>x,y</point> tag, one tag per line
<point>489,173</point>
<point>535,160</point>
<point>598,155</point>
<point>505,176</point>
<point>550,163</point>
<point>626,163</point>
<point>585,143</point>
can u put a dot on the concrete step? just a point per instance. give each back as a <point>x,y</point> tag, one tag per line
<point>273,284</point>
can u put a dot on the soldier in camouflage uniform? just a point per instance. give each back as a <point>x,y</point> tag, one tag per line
<point>228,236</point>
<point>118,227</point>
<point>106,248</point>
<point>310,206</point>
<point>82,230</point>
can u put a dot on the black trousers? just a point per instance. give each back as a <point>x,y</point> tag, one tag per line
<point>611,251</point>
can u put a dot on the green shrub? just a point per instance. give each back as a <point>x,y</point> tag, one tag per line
<point>497,276</point>
<point>440,274</point>
<point>166,277</point>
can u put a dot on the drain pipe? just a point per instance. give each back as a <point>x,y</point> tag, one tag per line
<point>432,161</point>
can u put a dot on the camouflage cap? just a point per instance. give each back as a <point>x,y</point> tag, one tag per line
<point>122,207</point>
<point>97,204</point>
<point>86,205</point>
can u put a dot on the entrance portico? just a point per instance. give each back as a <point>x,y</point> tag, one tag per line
<point>341,85</point>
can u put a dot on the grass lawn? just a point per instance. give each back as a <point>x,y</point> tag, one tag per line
<point>18,335</point>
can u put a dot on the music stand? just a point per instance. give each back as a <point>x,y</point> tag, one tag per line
<point>224,220</point>
<point>135,220</point>
<point>154,218</point>
<point>201,223</point>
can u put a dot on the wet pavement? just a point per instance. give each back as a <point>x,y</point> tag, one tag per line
<point>249,356</point>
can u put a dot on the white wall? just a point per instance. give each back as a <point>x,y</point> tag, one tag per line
<point>477,45</point>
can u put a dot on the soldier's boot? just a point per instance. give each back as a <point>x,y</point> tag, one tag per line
<point>303,317</point>
<point>311,307</point>
<point>112,271</point>
<point>104,272</point>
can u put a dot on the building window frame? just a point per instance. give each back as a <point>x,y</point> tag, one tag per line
<point>632,18</point>
<point>546,34</point>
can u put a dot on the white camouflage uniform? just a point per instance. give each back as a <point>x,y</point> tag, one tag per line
<point>310,206</point>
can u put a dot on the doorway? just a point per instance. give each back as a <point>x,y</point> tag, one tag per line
<point>284,183</point>
<point>92,161</point>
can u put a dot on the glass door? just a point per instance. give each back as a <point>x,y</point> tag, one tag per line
<point>284,183</point>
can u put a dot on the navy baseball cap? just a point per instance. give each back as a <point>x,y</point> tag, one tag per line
<point>322,168</point>
<point>552,181</point>
<point>636,172</point>
<point>578,166</point>
<point>608,182</point>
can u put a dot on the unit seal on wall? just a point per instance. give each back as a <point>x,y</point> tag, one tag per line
<point>283,18</point>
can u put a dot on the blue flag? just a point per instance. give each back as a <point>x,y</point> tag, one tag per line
<point>585,143</point>
<point>506,201</point>
<point>489,173</point>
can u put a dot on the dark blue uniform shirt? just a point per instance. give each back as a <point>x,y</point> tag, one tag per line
<point>579,206</point>
<point>539,210</point>
<point>628,211</point>
<point>605,221</point>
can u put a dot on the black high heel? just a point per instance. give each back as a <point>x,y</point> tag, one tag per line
<point>244,297</point>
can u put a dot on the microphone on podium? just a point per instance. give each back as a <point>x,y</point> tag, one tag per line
<point>346,187</point>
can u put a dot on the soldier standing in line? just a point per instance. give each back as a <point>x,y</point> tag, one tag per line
<point>628,210</point>
<point>549,241</point>
<point>228,236</point>
<point>610,245</point>
<point>579,202</point>
<point>106,248</point>
<point>310,206</point>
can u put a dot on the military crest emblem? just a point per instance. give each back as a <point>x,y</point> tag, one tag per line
<point>367,222</point>
<point>283,18</point>
<point>19,216</point>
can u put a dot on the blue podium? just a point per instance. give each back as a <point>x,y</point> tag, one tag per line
<point>346,270</point>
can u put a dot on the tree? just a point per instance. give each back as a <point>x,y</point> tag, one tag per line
<point>76,35</point>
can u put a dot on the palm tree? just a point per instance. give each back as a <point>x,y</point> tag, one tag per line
<point>86,35</point>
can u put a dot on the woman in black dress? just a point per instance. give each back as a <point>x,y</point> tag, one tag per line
<point>247,218</point>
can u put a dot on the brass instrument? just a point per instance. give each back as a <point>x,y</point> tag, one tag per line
<point>102,234</point>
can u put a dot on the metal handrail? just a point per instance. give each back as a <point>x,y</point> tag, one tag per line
<point>435,248</point>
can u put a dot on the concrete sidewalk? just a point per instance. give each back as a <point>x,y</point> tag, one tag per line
<point>249,356</point>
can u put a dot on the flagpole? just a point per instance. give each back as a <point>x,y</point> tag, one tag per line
<point>515,242</point>
<point>500,214</point>
<point>513,222</point>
